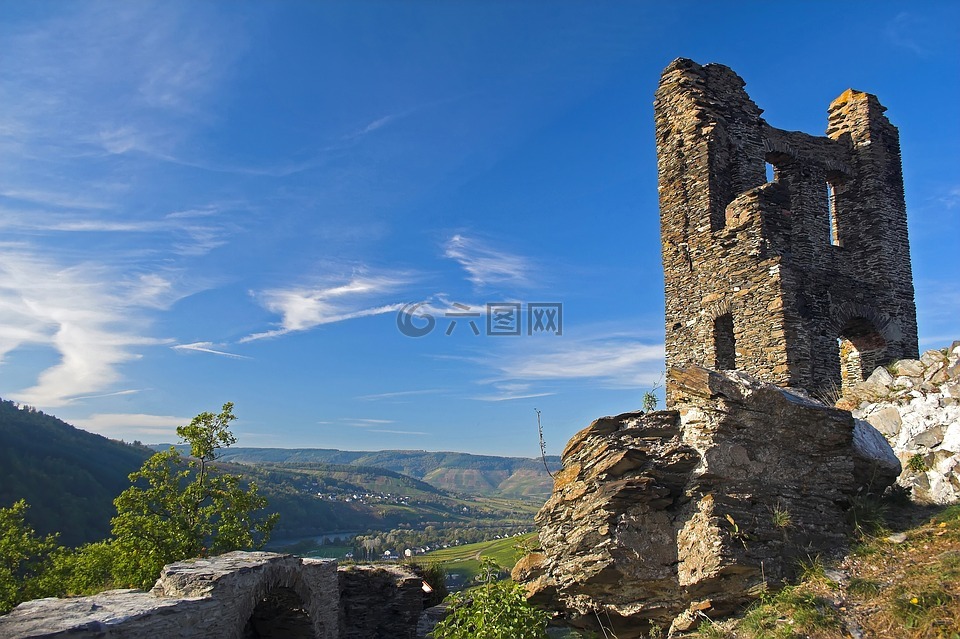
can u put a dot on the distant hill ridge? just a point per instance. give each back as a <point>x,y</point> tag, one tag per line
<point>449,471</point>
<point>70,478</point>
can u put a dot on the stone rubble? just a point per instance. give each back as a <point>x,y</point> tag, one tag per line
<point>915,404</point>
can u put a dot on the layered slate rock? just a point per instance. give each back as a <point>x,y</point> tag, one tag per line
<point>659,517</point>
<point>915,403</point>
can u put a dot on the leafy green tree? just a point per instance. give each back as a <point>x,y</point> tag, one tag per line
<point>24,557</point>
<point>494,610</point>
<point>179,507</point>
<point>86,570</point>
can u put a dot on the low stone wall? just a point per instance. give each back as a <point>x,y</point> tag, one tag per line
<point>238,595</point>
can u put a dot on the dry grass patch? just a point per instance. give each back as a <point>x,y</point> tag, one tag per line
<point>903,589</point>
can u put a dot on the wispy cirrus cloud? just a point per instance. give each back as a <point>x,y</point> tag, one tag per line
<point>157,428</point>
<point>486,265</point>
<point>398,432</point>
<point>906,31</point>
<point>399,394</point>
<point>48,198</point>
<point>611,361</point>
<point>207,347</point>
<point>88,314</point>
<point>119,393</point>
<point>304,308</point>
<point>951,198</point>
<point>506,392</point>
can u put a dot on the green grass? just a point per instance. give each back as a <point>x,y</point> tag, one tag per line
<point>330,552</point>
<point>465,559</point>
<point>503,551</point>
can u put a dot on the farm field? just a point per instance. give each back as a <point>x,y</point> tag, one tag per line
<point>465,560</point>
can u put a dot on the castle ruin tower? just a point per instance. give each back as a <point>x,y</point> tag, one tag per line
<point>802,281</point>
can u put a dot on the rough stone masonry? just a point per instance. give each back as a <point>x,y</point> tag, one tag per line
<point>801,281</point>
<point>239,595</point>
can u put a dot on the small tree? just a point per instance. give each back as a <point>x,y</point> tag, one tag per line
<point>179,508</point>
<point>24,557</point>
<point>494,610</point>
<point>650,397</point>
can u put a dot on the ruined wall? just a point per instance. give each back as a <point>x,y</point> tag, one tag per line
<point>239,595</point>
<point>774,278</point>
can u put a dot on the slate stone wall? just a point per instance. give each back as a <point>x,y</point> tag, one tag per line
<point>811,266</point>
<point>238,595</point>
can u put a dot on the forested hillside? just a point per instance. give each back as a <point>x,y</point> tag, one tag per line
<point>319,498</point>
<point>70,477</point>
<point>67,475</point>
<point>454,472</point>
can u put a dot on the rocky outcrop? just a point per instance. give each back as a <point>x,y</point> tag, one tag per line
<point>915,404</point>
<point>237,595</point>
<point>669,516</point>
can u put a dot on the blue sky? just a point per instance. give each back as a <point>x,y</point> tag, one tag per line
<point>229,201</point>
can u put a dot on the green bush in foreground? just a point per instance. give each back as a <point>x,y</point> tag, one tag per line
<point>180,508</point>
<point>493,610</point>
<point>24,557</point>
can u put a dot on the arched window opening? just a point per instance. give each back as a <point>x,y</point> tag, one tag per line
<point>724,343</point>
<point>775,163</point>
<point>280,614</point>
<point>862,349</point>
<point>832,214</point>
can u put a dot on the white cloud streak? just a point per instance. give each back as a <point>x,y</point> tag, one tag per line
<point>207,347</point>
<point>616,363</point>
<point>509,397</point>
<point>399,394</point>
<point>304,308</point>
<point>133,425</point>
<point>399,432</point>
<point>365,423</point>
<point>486,266</point>
<point>907,32</point>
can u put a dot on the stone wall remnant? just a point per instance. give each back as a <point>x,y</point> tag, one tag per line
<point>803,280</point>
<point>239,595</point>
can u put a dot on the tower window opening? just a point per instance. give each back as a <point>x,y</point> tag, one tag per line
<point>862,348</point>
<point>832,214</point>
<point>724,343</point>
<point>771,172</point>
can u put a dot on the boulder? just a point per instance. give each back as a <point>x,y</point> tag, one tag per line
<point>665,517</point>
<point>875,464</point>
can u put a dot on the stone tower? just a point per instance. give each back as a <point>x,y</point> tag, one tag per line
<point>803,280</point>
